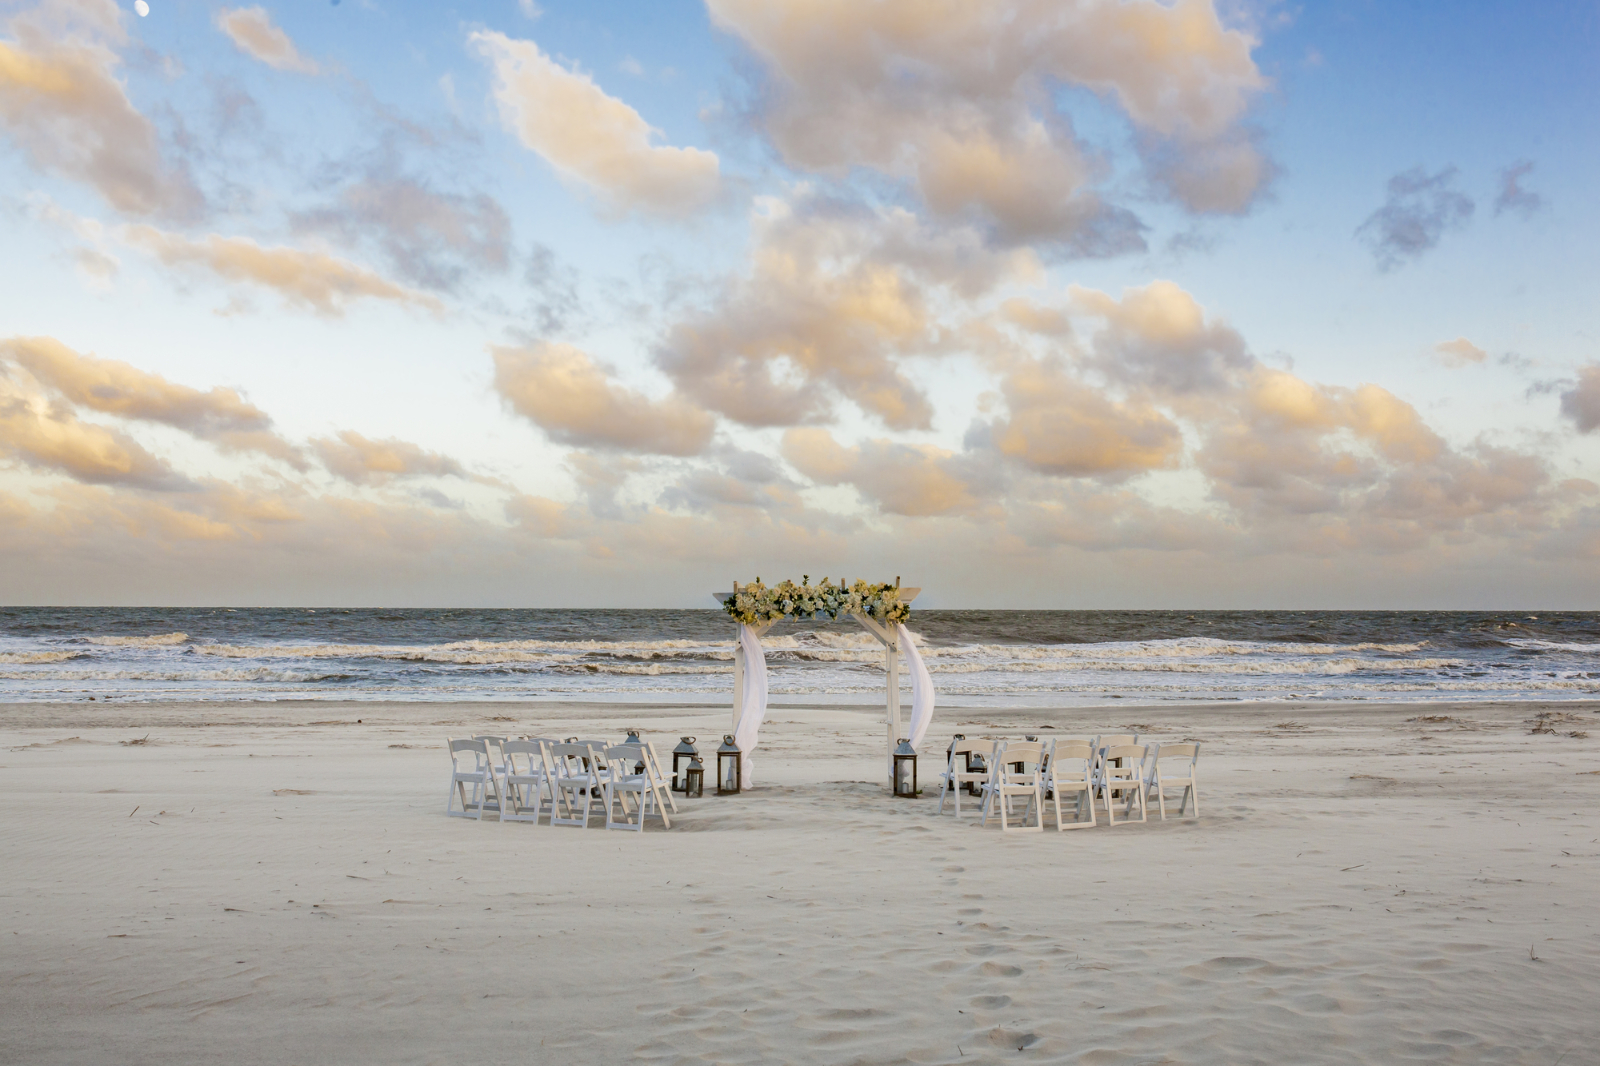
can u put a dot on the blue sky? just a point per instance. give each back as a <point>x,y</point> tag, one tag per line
<point>1064,304</point>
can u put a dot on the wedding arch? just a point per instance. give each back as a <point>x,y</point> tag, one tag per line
<point>881,609</point>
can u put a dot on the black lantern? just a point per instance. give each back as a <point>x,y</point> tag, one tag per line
<point>975,765</point>
<point>694,778</point>
<point>905,770</point>
<point>682,756</point>
<point>730,771</point>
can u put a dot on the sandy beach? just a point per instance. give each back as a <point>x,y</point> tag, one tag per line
<point>276,883</point>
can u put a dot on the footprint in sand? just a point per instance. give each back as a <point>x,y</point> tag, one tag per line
<point>1000,969</point>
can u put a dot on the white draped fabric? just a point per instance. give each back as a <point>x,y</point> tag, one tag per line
<point>922,695</point>
<point>754,703</point>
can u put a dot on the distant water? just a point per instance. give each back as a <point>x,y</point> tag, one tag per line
<point>983,658</point>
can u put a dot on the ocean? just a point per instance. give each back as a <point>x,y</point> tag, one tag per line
<point>978,658</point>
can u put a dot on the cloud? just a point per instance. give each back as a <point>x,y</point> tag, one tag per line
<point>111,387</point>
<point>1581,403</point>
<point>252,32</point>
<point>1420,209</point>
<point>1157,336</point>
<point>364,462</point>
<point>574,400</point>
<point>49,437</point>
<point>592,138</point>
<point>960,100</point>
<point>1512,196</point>
<point>834,298</point>
<point>62,103</point>
<point>1459,352</point>
<point>431,239</point>
<point>903,479</point>
<point>315,281</point>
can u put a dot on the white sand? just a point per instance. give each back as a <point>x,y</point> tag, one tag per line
<point>1360,888</point>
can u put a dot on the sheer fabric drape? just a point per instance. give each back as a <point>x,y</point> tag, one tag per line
<point>754,703</point>
<point>922,695</point>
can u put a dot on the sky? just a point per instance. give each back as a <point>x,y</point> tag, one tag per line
<point>1030,303</point>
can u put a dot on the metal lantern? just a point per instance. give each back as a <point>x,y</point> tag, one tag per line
<point>632,738</point>
<point>730,771</point>
<point>905,770</point>
<point>694,778</point>
<point>975,765</point>
<point>682,756</point>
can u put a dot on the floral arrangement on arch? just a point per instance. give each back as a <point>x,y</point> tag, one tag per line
<point>755,604</point>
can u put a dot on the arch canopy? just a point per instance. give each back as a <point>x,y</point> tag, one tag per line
<point>880,608</point>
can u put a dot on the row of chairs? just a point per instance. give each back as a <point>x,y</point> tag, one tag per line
<point>564,782</point>
<point>1112,769</point>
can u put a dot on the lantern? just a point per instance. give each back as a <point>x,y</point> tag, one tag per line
<point>682,756</point>
<point>694,778</point>
<point>730,772</point>
<point>975,765</point>
<point>905,770</point>
<point>633,737</point>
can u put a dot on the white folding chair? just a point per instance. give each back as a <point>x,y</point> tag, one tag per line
<point>629,777</point>
<point>1069,771</point>
<point>956,778</point>
<point>1006,783</point>
<point>470,764</point>
<point>496,750</point>
<point>1121,772</point>
<point>577,775</point>
<point>1177,773</point>
<point>651,764</point>
<point>526,782</point>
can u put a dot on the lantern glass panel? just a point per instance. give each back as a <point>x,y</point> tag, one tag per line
<point>729,769</point>
<point>905,770</point>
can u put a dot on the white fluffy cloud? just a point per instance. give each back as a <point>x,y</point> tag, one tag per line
<point>955,97</point>
<point>253,32</point>
<point>591,137</point>
<point>63,104</point>
<point>574,400</point>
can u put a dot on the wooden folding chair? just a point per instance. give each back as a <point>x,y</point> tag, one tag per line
<point>956,777</point>
<point>1070,772</point>
<point>1121,771</point>
<point>1183,774</point>
<point>1007,783</point>
<point>470,764</point>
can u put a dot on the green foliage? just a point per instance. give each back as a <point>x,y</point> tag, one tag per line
<point>755,604</point>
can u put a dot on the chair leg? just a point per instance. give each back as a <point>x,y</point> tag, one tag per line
<point>1161,799</point>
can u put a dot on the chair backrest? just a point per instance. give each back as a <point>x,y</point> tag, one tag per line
<point>522,756</point>
<point>476,748</point>
<point>1131,755</point>
<point>570,757</point>
<point>623,758</point>
<point>1009,753</point>
<point>1186,750</point>
<point>1066,750</point>
<point>496,748</point>
<point>1111,740</point>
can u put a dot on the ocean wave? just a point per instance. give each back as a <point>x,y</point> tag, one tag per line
<point>1279,666</point>
<point>1551,645</point>
<point>1194,646</point>
<point>162,641</point>
<point>259,674</point>
<point>473,651</point>
<point>20,657</point>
